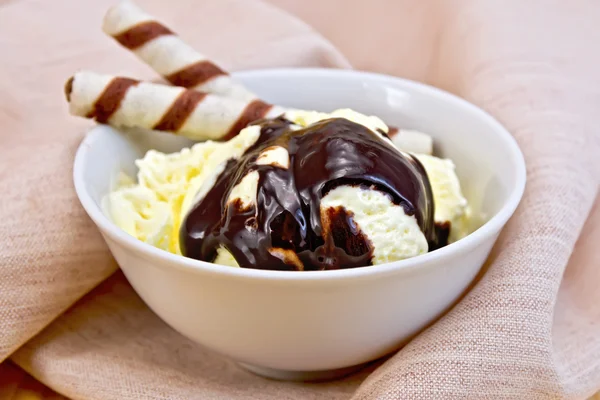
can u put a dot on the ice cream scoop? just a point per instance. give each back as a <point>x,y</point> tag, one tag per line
<point>293,201</point>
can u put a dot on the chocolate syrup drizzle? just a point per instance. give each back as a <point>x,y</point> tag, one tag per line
<point>285,230</point>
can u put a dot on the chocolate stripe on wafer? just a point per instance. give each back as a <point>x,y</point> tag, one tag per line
<point>257,109</point>
<point>180,111</point>
<point>392,131</point>
<point>195,74</point>
<point>411,140</point>
<point>110,100</point>
<point>141,34</point>
<point>69,88</point>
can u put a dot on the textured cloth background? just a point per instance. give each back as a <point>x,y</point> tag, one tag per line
<point>530,328</point>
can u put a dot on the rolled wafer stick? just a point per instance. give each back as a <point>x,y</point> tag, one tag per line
<point>166,53</point>
<point>126,102</point>
<point>411,140</point>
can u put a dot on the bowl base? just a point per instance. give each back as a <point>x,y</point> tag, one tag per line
<point>301,376</point>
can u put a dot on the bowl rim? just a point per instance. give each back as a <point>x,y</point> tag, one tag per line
<point>488,229</point>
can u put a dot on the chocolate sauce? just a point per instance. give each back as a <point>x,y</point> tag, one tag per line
<point>392,131</point>
<point>442,235</point>
<point>287,218</point>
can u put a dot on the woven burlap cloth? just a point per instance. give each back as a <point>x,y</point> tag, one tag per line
<point>530,327</point>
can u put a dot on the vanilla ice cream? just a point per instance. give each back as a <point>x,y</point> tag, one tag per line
<point>450,204</point>
<point>306,118</point>
<point>409,140</point>
<point>393,234</point>
<point>139,212</point>
<point>151,209</point>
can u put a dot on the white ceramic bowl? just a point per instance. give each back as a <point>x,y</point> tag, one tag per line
<point>304,325</point>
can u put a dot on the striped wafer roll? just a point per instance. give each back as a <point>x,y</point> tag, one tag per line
<point>126,102</point>
<point>167,54</point>
<point>411,140</point>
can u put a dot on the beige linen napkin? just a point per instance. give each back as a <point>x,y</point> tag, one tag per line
<point>529,328</point>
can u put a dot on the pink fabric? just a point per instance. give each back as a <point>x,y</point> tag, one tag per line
<point>530,328</point>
